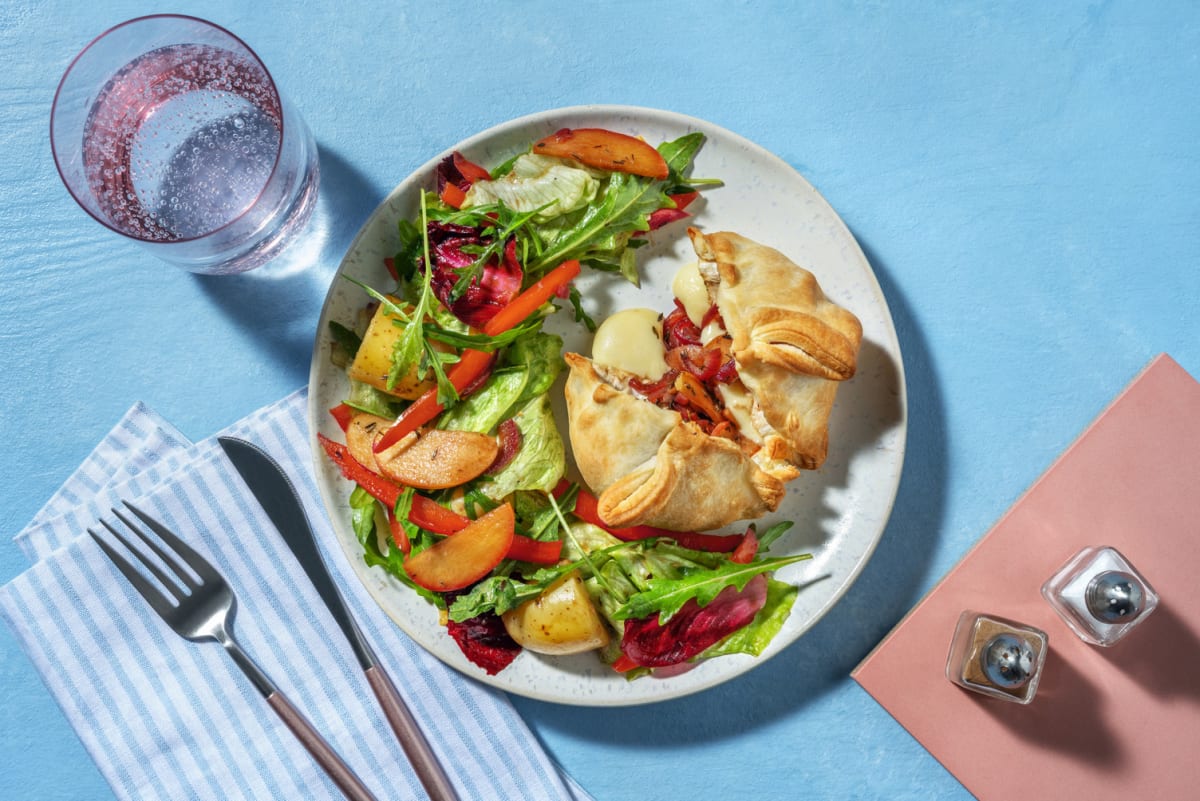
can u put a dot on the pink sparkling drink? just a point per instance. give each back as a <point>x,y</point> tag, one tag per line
<point>187,147</point>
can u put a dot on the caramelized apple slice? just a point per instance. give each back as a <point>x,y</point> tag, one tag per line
<point>361,431</point>
<point>605,150</point>
<point>463,558</point>
<point>436,459</point>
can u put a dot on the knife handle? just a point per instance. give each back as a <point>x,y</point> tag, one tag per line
<point>345,778</point>
<point>424,762</point>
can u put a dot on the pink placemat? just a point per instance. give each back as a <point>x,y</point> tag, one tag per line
<point>1119,722</point>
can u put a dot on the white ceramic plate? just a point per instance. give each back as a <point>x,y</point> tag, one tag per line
<point>839,511</point>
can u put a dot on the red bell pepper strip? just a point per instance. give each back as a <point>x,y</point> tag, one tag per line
<point>426,513</point>
<point>623,664</point>
<point>469,170</point>
<point>341,415</point>
<point>532,298</point>
<point>684,199</point>
<point>542,552</point>
<point>586,509</point>
<point>399,535</point>
<point>470,367</point>
<point>747,549</point>
<point>432,516</point>
<point>390,264</point>
<point>387,492</point>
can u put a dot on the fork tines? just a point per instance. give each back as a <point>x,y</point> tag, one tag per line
<point>183,564</point>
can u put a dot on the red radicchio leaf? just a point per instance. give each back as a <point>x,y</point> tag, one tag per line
<point>447,172</point>
<point>510,442</point>
<point>661,217</point>
<point>693,628</point>
<point>498,284</point>
<point>485,642</point>
<point>457,169</point>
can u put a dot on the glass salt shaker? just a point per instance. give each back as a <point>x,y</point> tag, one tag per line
<point>1100,595</point>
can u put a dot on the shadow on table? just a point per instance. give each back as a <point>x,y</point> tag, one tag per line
<point>278,304</point>
<point>821,660</point>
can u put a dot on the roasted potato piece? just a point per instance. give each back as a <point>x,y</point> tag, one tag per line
<point>373,361</point>
<point>562,620</point>
<point>436,459</point>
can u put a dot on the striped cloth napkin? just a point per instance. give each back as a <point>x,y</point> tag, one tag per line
<point>167,719</point>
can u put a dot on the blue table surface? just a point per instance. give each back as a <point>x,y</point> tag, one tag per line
<point>1022,178</point>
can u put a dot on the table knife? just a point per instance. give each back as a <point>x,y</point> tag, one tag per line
<point>274,491</point>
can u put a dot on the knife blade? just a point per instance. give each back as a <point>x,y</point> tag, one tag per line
<point>274,491</point>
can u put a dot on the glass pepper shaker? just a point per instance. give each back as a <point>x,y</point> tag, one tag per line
<point>996,657</point>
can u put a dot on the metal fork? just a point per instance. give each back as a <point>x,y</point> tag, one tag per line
<point>199,605</point>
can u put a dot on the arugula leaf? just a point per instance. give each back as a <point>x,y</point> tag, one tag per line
<point>407,259</point>
<point>667,595</point>
<point>581,316</point>
<point>484,342</point>
<point>623,208</point>
<point>499,594</point>
<point>771,534</point>
<point>679,153</point>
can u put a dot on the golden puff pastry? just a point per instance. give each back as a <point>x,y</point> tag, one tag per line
<point>791,346</point>
<point>649,466</point>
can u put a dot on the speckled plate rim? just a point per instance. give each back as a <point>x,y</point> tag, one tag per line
<point>840,511</point>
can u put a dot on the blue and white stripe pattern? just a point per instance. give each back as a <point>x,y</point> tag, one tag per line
<point>168,719</point>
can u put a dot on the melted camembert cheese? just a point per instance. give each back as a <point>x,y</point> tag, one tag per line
<point>631,340</point>
<point>689,287</point>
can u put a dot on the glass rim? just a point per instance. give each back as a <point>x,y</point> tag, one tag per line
<point>274,89</point>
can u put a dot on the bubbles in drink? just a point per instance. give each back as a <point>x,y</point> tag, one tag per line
<point>216,173</point>
<point>181,141</point>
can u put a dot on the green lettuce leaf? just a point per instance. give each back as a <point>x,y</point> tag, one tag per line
<point>366,398</point>
<point>540,355</point>
<point>486,407</point>
<point>549,186</point>
<point>754,638</point>
<point>541,460</point>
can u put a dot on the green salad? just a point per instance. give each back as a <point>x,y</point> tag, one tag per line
<point>457,462</point>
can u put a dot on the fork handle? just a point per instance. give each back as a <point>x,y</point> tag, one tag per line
<point>424,762</point>
<point>345,778</point>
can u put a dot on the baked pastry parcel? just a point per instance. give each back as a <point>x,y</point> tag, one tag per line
<point>656,453</point>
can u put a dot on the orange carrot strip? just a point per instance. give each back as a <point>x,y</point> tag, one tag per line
<point>452,196</point>
<point>532,298</point>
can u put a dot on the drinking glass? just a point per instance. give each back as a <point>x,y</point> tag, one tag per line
<point>170,130</point>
